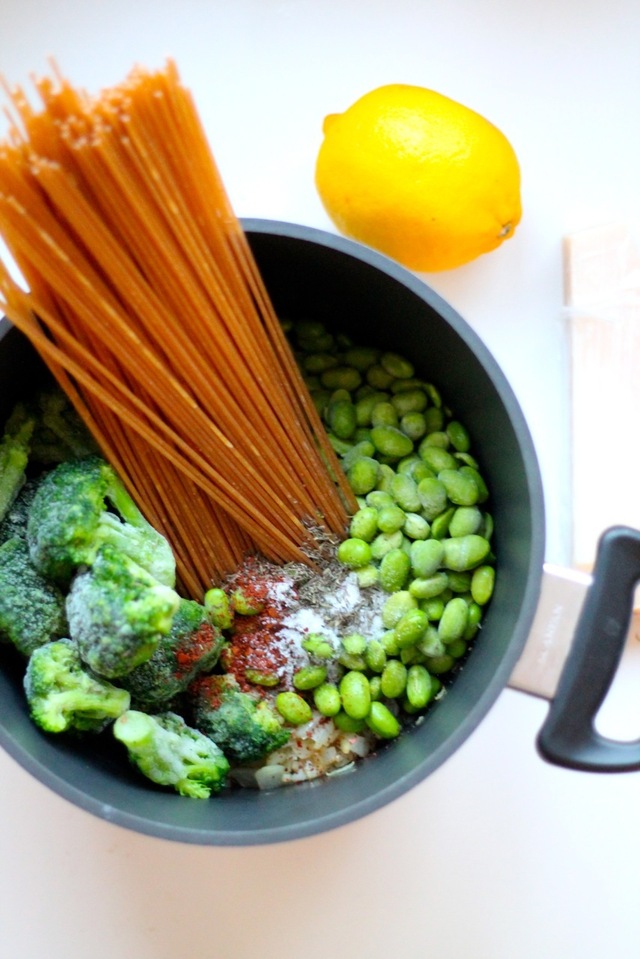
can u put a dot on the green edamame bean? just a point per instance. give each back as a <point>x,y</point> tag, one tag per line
<point>382,722</point>
<point>435,457</point>
<point>367,576</point>
<point>384,543</point>
<point>486,529</point>
<point>352,661</point>
<point>378,377</point>
<point>375,688</point>
<point>440,664</point>
<point>319,362</point>
<point>361,357</point>
<point>363,391</point>
<point>476,613</point>
<point>354,553</point>
<point>395,606</point>
<point>340,395</point>
<point>483,492</point>
<point>384,414</point>
<point>414,425</point>
<point>341,419</point>
<point>421,471</point>
<point>355,694</point>
<point>440,525</point>
<point>431,645</point>
<point>482,584</point>
<point>434,608</point>
<point>260,678</point>
<point>366,404</point>
<point>390,518</point>
<point>354,644</point>
<point>411,401</point>
<point>466,458</point>
<point>433,418</point>
<point>245,604</point>
<point>437,438</point>
<point>464,552</point>
<point>403,385</point>
<point>293,708</point>
<point>217,604</point>
<point>393,680</point>
<point>418,686</point>
<point>408,464</point>
<point>457,648</point>
<point>341,447</point>
<point>411,656</point>
<point>364,524</point>
<point>416,526</point>
<point>386,475</point>
<point>410,627</point>
<point>318,646</point>
<point>394,570</point>
<point>375,656</point>
<point>363,475</point>
<point>321,399</point>
<point>307,330</point>
<point>341,378</point>
<point>465,520</point>
<point>459,436</point>
<point>389,644</point>
<point>397,366</point>
<point>473,621</point>
<point>322,343</point>
<point>360,436</point>
<point>326,699</point>
<point>461,488</point>
<point>433,497</point>
<point>433,393</point>
<point>426,557</point>
<point>453,621</point>
<point>404,490</point>
<point>391,442</point>
<point>379,499</point>
<point>427,587</point>
<point>459,582</point>
<point>308,677</point>
<point>347,724</point>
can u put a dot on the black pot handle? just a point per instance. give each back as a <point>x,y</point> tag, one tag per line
<point>568,736</point>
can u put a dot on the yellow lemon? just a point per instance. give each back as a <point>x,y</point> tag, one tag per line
<point>419,177</point>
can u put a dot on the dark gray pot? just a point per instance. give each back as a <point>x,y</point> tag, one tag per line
<point>313,274</point>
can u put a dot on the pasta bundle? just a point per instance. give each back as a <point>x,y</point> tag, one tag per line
<point>146,304</point>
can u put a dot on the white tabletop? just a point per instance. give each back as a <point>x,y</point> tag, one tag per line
<point>497,855</point>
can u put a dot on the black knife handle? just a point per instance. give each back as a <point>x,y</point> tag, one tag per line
<point>568,736</point>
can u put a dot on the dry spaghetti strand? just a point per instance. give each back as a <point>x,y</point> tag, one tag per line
<point>153,317</point>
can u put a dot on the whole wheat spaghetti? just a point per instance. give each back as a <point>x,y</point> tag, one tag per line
<point>146,304</point>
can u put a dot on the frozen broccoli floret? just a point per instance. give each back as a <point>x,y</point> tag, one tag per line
<point>117,613</point>
<point>14,455</point>
<point>244,727</point>
<point>32,611</point>
<point>63,695</point>
<point>170,753</point>
<point>80,506</point>
<point>16,517</point>
<point>192,646</point>
<point>60,434</point>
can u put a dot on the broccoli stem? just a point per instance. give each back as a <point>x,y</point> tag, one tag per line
<point>14,455</point>
<point>135,729</point>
